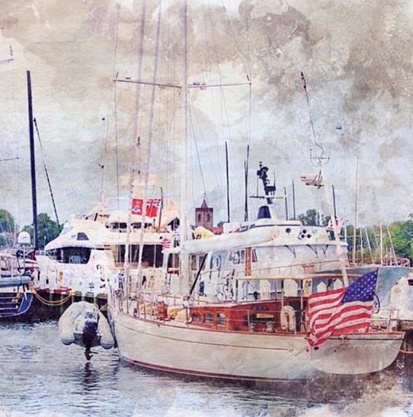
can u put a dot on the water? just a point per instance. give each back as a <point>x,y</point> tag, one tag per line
<point>39,376</point>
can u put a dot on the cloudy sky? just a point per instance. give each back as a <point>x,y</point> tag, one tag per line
<point>357,57</point>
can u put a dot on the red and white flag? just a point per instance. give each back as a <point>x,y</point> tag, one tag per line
<point>341,311</point>
<point>152,206</point>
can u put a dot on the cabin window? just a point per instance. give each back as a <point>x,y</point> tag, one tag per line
<point>82,236</point>
<point>151,255</point>
<point>194,263</point>
<point>196,318</point>
<point>70,255</point>
<point>221,319</point>
<point>202,261</point>
<point>173,261</point>
<point>238,257</point>
<point>209,318</point>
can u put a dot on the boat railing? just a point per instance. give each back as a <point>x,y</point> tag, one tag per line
<point>384,261</point>
<point>386,319</point>
<point>289,270</point>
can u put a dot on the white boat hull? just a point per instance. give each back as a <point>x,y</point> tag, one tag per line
<point>177,348</point>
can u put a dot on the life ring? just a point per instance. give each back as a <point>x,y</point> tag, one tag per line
<point>288,319</point>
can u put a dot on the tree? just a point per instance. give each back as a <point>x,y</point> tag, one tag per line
<point>48,230</point>
<point>402,237</point>
<point>313,218</point>
<point>7,228</point>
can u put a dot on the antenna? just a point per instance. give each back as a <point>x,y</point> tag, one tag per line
<point>269,190</point>
<point>320,158</point>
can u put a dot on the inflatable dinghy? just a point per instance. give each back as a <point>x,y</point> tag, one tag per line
<point>85,325</point>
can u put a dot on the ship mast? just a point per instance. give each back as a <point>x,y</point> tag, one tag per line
<point>32,162</point>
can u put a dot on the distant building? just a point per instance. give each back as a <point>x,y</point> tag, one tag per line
<point>204,216</point>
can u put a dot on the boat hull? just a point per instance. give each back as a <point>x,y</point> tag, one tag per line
<point>14,305</point>
<point>240,356</point>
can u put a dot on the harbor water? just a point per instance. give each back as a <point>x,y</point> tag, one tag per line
<point>42,377</point>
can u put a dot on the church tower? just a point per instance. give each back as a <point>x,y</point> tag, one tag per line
<point>204,216</point>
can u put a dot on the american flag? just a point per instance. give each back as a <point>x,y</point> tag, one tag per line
<point>341,311</point>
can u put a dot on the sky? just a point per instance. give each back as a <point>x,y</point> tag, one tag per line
<point>356,118</point>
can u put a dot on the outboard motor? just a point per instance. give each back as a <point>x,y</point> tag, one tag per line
<point>90,331</point>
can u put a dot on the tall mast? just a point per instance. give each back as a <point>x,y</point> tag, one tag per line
<point>32,162</point>
<point>227,174</point>
<point>246,184</point>
<point>183,221</point>
<point>355,212</point>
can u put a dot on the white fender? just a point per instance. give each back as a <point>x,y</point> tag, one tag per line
<point>288,318</point>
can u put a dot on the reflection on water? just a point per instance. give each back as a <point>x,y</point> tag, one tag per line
<point>42,377</point>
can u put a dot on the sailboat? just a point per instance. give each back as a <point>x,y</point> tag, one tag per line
<point>246,314</point>
<point>18,269</point>
<point>15,278</point>
<point>243,306</point>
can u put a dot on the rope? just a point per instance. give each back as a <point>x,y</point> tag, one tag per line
<point>51,303</point>
<point>406,352</point>
<point>46,172</point>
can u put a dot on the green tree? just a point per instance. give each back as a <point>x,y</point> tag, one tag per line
<point>313,218</point>
<point>47,230</point>
<point>7,228</point>
<point>7,222</point>
<point>402,237</point>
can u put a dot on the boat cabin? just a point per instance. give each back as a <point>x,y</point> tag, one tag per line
<point>261,316</point>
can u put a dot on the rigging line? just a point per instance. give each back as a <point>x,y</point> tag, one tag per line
<point>138,89</point>
<point>163,161</point>
<point>224,113</point>
<point>115,104</point>
<point>214,48</point>
<point>319,158</point>
<point>150,135</point>
<point>197,152</point>
<point>9,159</point>
<point>247,64</point>
<point>195,120</point>
<point>206,86</point>
<point>102,164</point>
<point>153,83</point>
<point>221,85</point>
<point>46,172</point>
<point>249,110</point>
<point>136,154</point>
